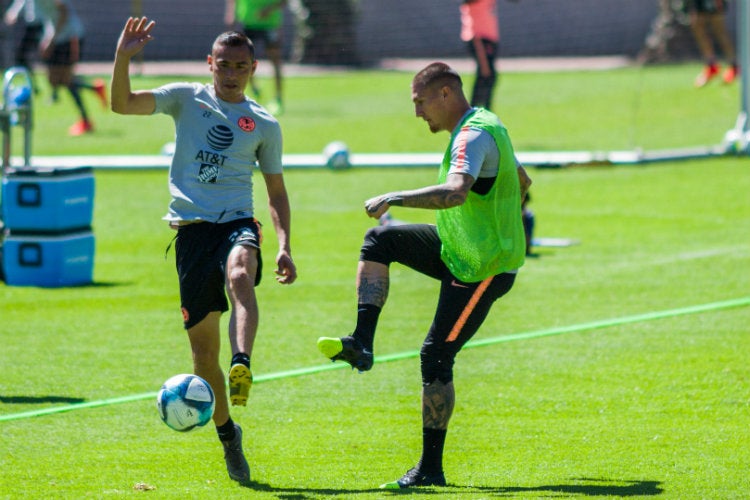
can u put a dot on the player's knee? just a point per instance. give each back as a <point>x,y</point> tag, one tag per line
<point>237,276</point>
<point>376,235</point>
<point>377,245</point>
<point>242,266</point>
<point>436,365</point>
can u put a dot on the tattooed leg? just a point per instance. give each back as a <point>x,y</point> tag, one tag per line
<point>438,400</point>
<point>372,283</point>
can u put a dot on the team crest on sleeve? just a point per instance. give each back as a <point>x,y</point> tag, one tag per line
<point>246,123</point>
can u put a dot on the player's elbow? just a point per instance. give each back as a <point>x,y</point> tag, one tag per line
<point>456,198</point>
<point>117,108</point>
<point>120,105</point>
<point>457,189</point>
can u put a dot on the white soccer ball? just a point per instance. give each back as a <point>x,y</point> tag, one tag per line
<point>337,155</point>
<point>168,149</point>
<point>185,401</point>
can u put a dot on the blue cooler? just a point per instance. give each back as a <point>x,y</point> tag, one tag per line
<point>48,200</point>
<point>48,260</point>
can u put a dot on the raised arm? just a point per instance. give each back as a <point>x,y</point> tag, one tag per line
<point>135,35</point>
<point>11,15</point>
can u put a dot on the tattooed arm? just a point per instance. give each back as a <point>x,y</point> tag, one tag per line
<point>450,194</point>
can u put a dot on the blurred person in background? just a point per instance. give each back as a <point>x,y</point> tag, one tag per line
<point>480,30</point>
<point>261,22</point>
<point>707,18</point>
<point>529,221</point>
<point>61,49</point>
<point>28,45</point>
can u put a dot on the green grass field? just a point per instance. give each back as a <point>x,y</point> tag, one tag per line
<point>615,368</point>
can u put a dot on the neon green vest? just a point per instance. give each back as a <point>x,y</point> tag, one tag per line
<point>248,14</point>
<point>484,236</point>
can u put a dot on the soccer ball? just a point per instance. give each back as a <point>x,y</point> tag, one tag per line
<point>168,149</point>
<point>185,402</point>
<point>337,155</point>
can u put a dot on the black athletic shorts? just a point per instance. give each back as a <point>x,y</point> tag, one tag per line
<point>28,44</point>
<point>62,54</point>
<point>201,255</point>
<point>462,307</point>
<point>271,38</point>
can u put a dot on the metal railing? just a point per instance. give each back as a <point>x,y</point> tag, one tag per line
<point>17,110</point>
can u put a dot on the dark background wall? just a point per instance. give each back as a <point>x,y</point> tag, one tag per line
<point>391,28</point>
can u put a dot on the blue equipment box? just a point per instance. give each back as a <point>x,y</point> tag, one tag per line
<point>49,200</point>
<point>48,260</point>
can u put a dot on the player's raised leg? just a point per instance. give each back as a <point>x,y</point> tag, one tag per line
<point>242,266</point>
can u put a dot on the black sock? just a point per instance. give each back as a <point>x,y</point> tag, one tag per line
<point>433,441</point>
<point>367,320</point>
<point>241,358</point>
<point>226,432</point>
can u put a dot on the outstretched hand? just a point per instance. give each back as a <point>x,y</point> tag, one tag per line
<point>135,35</point>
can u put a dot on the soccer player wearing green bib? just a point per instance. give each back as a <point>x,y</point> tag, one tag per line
<point>261,21</point>
<point>474,250</point>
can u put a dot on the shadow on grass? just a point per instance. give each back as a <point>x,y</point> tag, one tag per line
<point>34,400</point>
<point>93,284</point>
<point>579,486</point>
<point>103,284</point>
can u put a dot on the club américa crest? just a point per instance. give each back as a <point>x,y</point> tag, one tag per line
<point>246,123</point>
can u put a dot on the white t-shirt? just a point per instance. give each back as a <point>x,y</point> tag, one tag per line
<point>50,15</point>
<point>217,146</point>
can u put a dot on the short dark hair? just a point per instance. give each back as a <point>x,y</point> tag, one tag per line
<point>438,73</point>
<point>234,39</point>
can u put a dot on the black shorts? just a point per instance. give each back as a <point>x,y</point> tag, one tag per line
<point>271,38</point>
<point>414,245</point>
<point>462,307</point>
<point>28,44</point>
<point>201,255</point>
<point>62,54</point>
